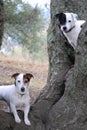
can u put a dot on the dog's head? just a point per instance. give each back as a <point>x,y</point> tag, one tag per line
<point>22,82</point>
<point>66,21</point>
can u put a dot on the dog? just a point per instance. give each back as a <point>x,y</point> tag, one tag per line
<point>70,26</point>
<point>18,94</point>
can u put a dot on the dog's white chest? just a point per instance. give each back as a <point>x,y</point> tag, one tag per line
<point>72,36</point>
<point>20,99</point>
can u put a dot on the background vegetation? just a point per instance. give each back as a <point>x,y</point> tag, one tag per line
<point>25,29</point>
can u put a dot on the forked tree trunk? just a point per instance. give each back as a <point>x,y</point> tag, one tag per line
<point>62,104</point>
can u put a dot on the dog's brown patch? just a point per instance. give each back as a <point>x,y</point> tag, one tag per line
<point>15,75</point>
<point>27,77</point>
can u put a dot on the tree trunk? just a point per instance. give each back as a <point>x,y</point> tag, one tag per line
<point>1,21</point>
<point>62,103</point>
<point>69,113</point>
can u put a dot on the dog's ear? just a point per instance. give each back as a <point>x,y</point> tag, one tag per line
<point>15,75</point>
<point>29,76</point>
<point>75,16</point>
<point>59,18</point>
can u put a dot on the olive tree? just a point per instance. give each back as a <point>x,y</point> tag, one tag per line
<point>62,104</point>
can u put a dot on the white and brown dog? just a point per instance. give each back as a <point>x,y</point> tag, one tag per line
<point>18,94</point>
<point>70,26</point>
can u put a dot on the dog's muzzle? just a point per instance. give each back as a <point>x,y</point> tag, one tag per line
<point>69,29</point>
<point>22,89</point>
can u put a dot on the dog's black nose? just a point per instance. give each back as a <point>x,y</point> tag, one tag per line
<point>22,89</point>
<point>64,28</point>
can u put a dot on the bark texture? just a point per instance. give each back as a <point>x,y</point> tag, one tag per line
<point>1,21</point>
<point>62,104</point>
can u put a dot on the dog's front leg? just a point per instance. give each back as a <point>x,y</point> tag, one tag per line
<point>26,111</point>
<point>13,110</point>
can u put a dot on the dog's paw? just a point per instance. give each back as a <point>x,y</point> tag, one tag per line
<point>18,120</point>
<point>27,122</point>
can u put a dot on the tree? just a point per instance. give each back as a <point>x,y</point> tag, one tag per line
<point>62,103</point>
<point>1,21</point>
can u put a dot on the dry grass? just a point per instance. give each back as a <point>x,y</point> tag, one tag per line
<point>13,64</point>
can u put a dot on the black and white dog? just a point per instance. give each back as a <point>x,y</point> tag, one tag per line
<point>70,26</point>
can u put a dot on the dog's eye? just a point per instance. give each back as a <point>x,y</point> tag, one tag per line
<point>18,81</point>
<point>26,81</point>
<point>69,21</point>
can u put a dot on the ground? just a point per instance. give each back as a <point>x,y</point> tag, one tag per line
<point>10,65</point>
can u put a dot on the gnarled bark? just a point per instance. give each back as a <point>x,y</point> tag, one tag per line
<point>1,21</point>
